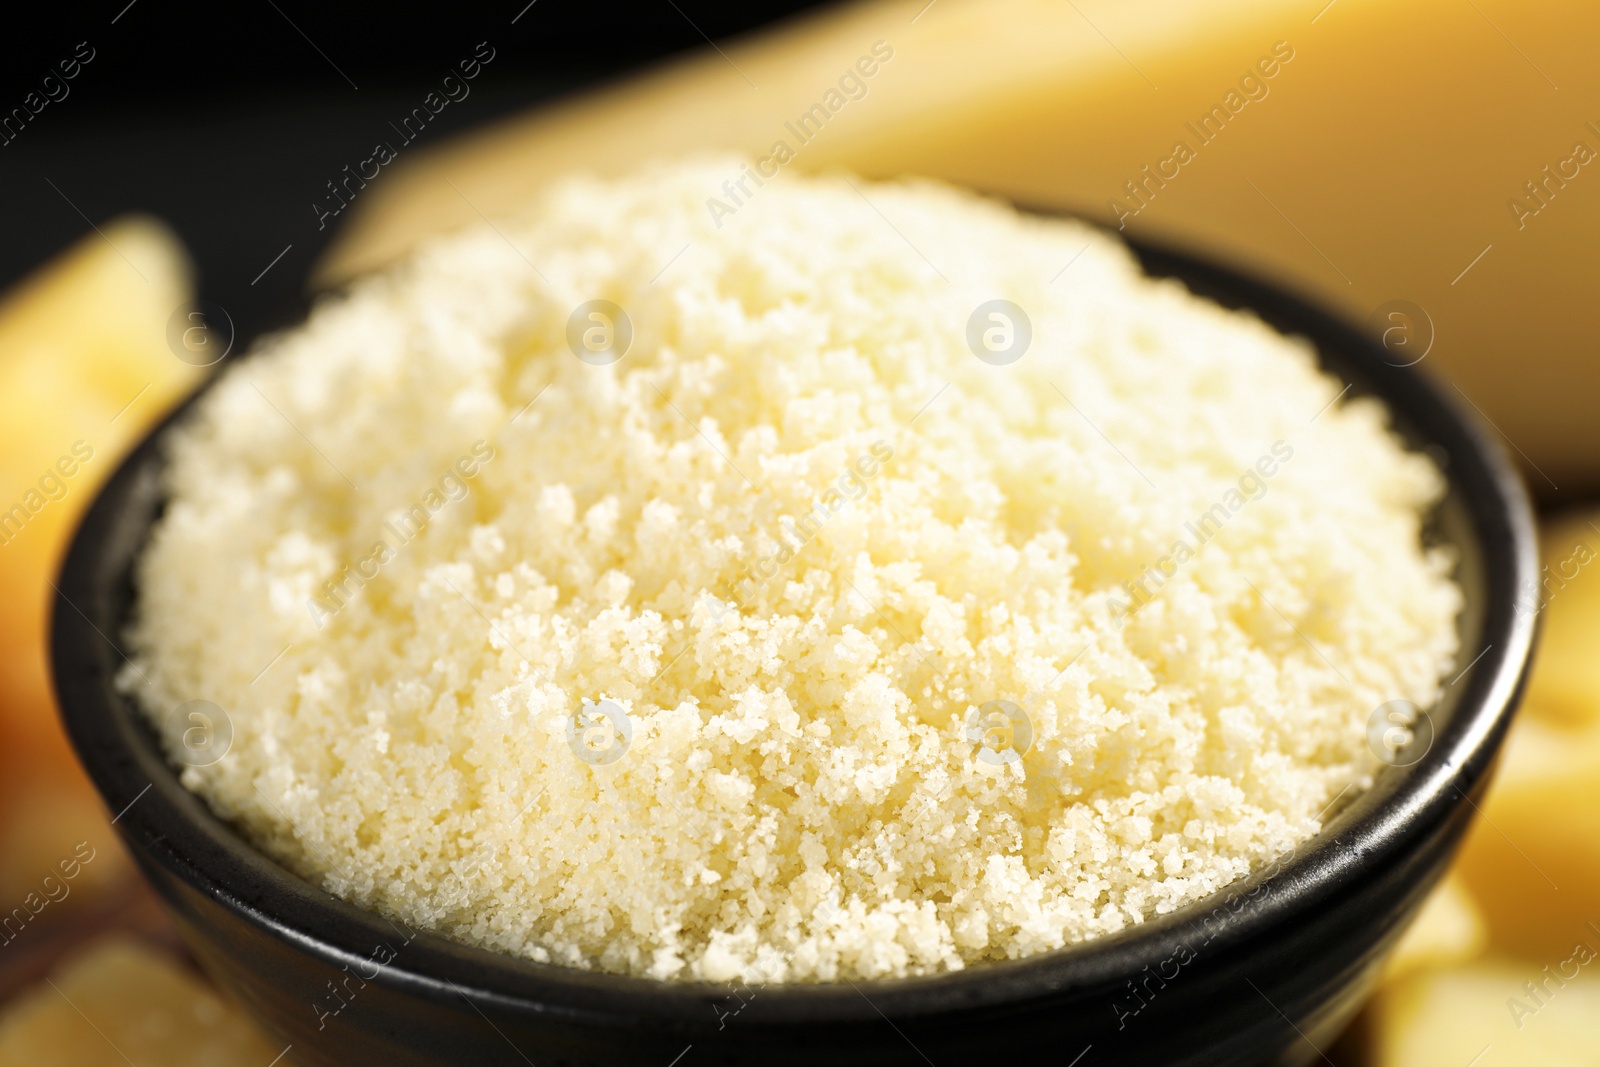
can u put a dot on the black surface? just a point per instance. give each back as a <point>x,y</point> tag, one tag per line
<point>1302,942</point>
<point>228,120</point>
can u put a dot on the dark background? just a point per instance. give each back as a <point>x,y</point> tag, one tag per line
<point>227,119</point>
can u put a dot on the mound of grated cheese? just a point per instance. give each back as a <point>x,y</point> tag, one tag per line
<point>685,665</point>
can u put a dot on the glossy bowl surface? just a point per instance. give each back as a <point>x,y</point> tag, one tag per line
<point>1264,973</point>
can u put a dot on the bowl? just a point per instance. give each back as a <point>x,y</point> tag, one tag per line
<point>1266,972</point>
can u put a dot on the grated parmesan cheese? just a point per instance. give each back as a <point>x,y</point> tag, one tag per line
<point>809,639</point>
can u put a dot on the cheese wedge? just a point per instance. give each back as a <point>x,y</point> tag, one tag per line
<point>1565,685</point>
<point>1425,166</point>
<point>85,369</point>
<point>1499,1013</point>
<point>1532,857</point>
<point>121,1002</point>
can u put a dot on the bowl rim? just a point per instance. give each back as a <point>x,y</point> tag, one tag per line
<point>172,828</point>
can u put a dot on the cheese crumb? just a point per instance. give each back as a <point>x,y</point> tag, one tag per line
<point>884,582</point>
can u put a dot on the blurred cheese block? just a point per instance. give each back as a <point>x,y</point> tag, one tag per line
<point>123,1003</point>
<point>1386,158</point>
<point>1531,866</point>
<point>1532,858</point>
<point>1449,930</point>
<point>85,369</point>
<point>1498,1013</point>
<point>1565,686</point>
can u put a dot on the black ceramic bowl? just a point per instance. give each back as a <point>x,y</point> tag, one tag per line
<point>1264,973</point>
